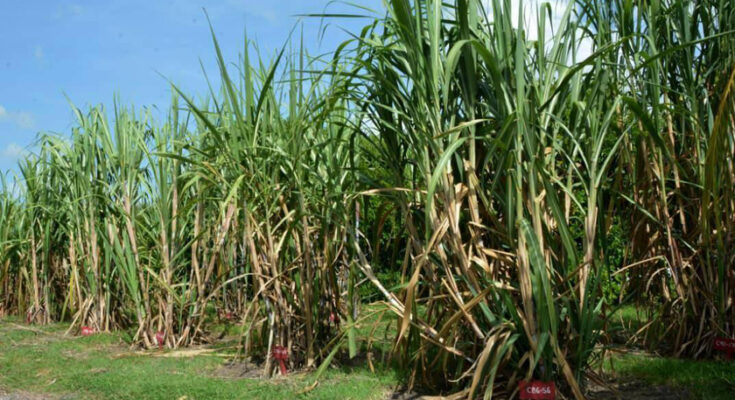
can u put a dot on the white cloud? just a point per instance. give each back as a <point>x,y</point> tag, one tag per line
<point>40,56</point>
<point>25,120</point>
<point>38,53</point>
<point>12,151</point>
<point>22,119</point>
<point>76,9</point>
<point>68,10</point>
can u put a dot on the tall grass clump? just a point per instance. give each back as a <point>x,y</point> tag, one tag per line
<point>511,157</point>
<point>495,143</point>
<point>675,179</point>
<point>517,172</point>
<point>237,208</point>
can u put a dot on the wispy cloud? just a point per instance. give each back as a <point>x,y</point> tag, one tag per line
<point>22,119</point>
<point>68,10</point>
<point>273,12</point>
<point>38,53</point>
<point>40,56</point>
<point>12,152</point>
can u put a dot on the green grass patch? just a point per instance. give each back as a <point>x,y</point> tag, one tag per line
<point>43,360</point>
<point>709,379</point>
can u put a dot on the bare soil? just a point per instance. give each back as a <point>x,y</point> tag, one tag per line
<point>23,395</point>
<point>239,369</point>
<point>404,395</point>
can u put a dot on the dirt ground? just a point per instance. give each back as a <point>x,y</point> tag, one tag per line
<point>22,395</point>
<point>236,370</point>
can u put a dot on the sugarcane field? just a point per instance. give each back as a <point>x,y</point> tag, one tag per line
<point>367,199</point>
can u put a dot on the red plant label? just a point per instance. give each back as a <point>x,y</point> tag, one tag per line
<point>160,339</point>
<point>726,345</point>
<point>537,390</point>
<point>280,353</point>
<point>87,331</point>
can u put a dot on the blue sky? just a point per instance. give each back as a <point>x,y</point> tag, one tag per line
<point>93,50</point>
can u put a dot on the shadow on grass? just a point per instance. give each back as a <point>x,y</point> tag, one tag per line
<point>703,379</point>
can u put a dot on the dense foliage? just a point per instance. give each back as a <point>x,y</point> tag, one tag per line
<point>501,193</point>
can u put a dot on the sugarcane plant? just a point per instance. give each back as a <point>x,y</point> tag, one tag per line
<point>486,153</point>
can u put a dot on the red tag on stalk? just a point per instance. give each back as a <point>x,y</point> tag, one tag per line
<point>281,354</point>
<point>87,331</point>
<point>726,345</point>
<point>160,339</point>
<point>537,390</point>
